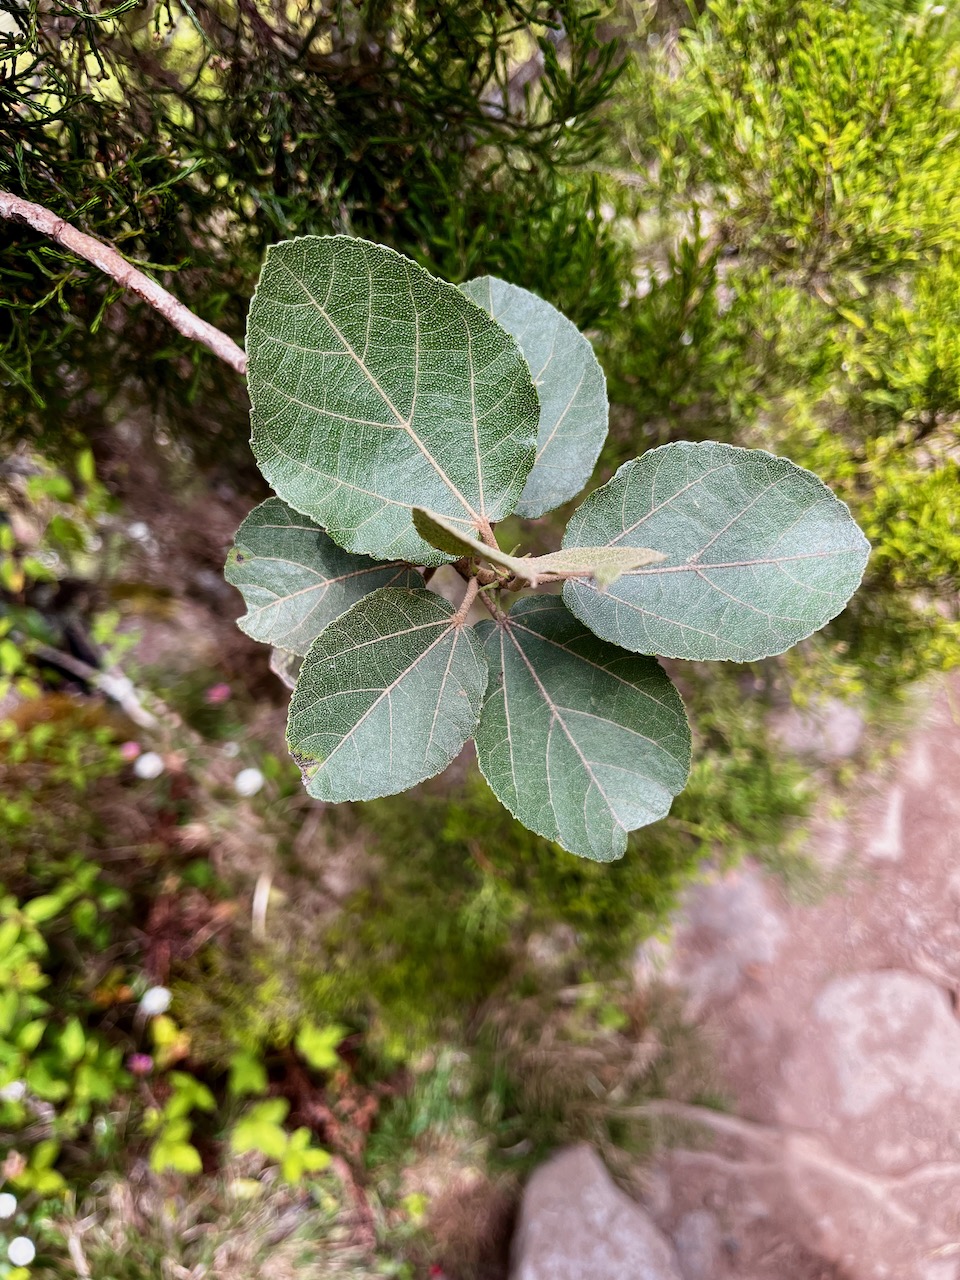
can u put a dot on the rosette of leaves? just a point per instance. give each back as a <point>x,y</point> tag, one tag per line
<point>398,419</point>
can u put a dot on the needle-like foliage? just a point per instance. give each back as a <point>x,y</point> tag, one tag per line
<point>192,135</point>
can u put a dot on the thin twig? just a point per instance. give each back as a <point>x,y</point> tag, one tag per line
<point>492,609</point>
<point>75,1249</point>
<point>261,900</point>
<point>473,586</point>
<point>118,687</point>
<point>114,265</point>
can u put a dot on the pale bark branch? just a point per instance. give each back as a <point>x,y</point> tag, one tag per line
<point>116,266</point>
<point>114,684</point>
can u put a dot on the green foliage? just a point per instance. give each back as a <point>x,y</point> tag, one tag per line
<point>549,678</point>
<point>375,389</point>
<point>261,1129</point>
<point>796,167</point>
<point>295,579</point>
<point>460,886</point>
<point>318,1045</point>
<point>790,114</point>
<point>51,528</point>
<point>52,762</point>
<point>341,332</point>
<point>761,554</point>
<point>387,696</point>
<point>247,1074</point>
<point>52,1065</point>
<point>172,1127</point>
<point>193,135</point>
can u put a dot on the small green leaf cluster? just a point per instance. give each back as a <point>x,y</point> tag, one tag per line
<point>399,419</point>
<point>261,1130</point>
<point>51,1065</point>
<point>171,1126</point>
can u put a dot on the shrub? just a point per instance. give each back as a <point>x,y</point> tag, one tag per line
<point>803,161</point>
<point>405,418</point>
<point>193,135</point>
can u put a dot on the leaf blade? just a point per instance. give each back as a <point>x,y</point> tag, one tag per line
<point>571,385</point>
<point>606,744</point>
<point>295,580</point>
<point>450,538</point>
<point>387,696</point>
<point>373,383</point>
<point>760,554</point>
<point>604,564</point>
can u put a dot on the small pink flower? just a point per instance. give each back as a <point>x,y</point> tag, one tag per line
<point>129,751</point>
<point>140,1064</point>
<point>216,694</point>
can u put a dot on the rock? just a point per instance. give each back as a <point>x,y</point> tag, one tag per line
<point>575,1224</point>
<point>880,1071</point>
<point>838,1043</point>
<point>830,732</point>
<point>698,1243</point>
<point>875,1229</point>
<point>731,926</point>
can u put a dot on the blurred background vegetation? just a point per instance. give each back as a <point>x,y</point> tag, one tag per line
<point>244,1035</point>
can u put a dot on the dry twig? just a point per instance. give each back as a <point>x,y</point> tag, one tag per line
<point>116,266</point>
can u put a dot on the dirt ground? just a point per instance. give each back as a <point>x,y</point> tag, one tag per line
<point>833,1028</point>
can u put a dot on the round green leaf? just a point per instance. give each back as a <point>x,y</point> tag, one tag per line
<point>571,385</point>
<point>374,387</point>
<point>387,696</point>
<point>579,740</point>
<point>176,1157</point>
<point>760,554</point>
<point>295,580</point>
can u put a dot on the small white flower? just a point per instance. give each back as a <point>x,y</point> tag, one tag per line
<point>231,750</point>
<point>248,782</point>
<point>139,531</point>
<point>149,765</point>
<point>15,1091</point>
<point>155,1000</point>
<point>939,10</point>
<point>8,1204</point>
<point>20,1251</point>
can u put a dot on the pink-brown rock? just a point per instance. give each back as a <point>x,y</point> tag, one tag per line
<point>576,1224</point>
